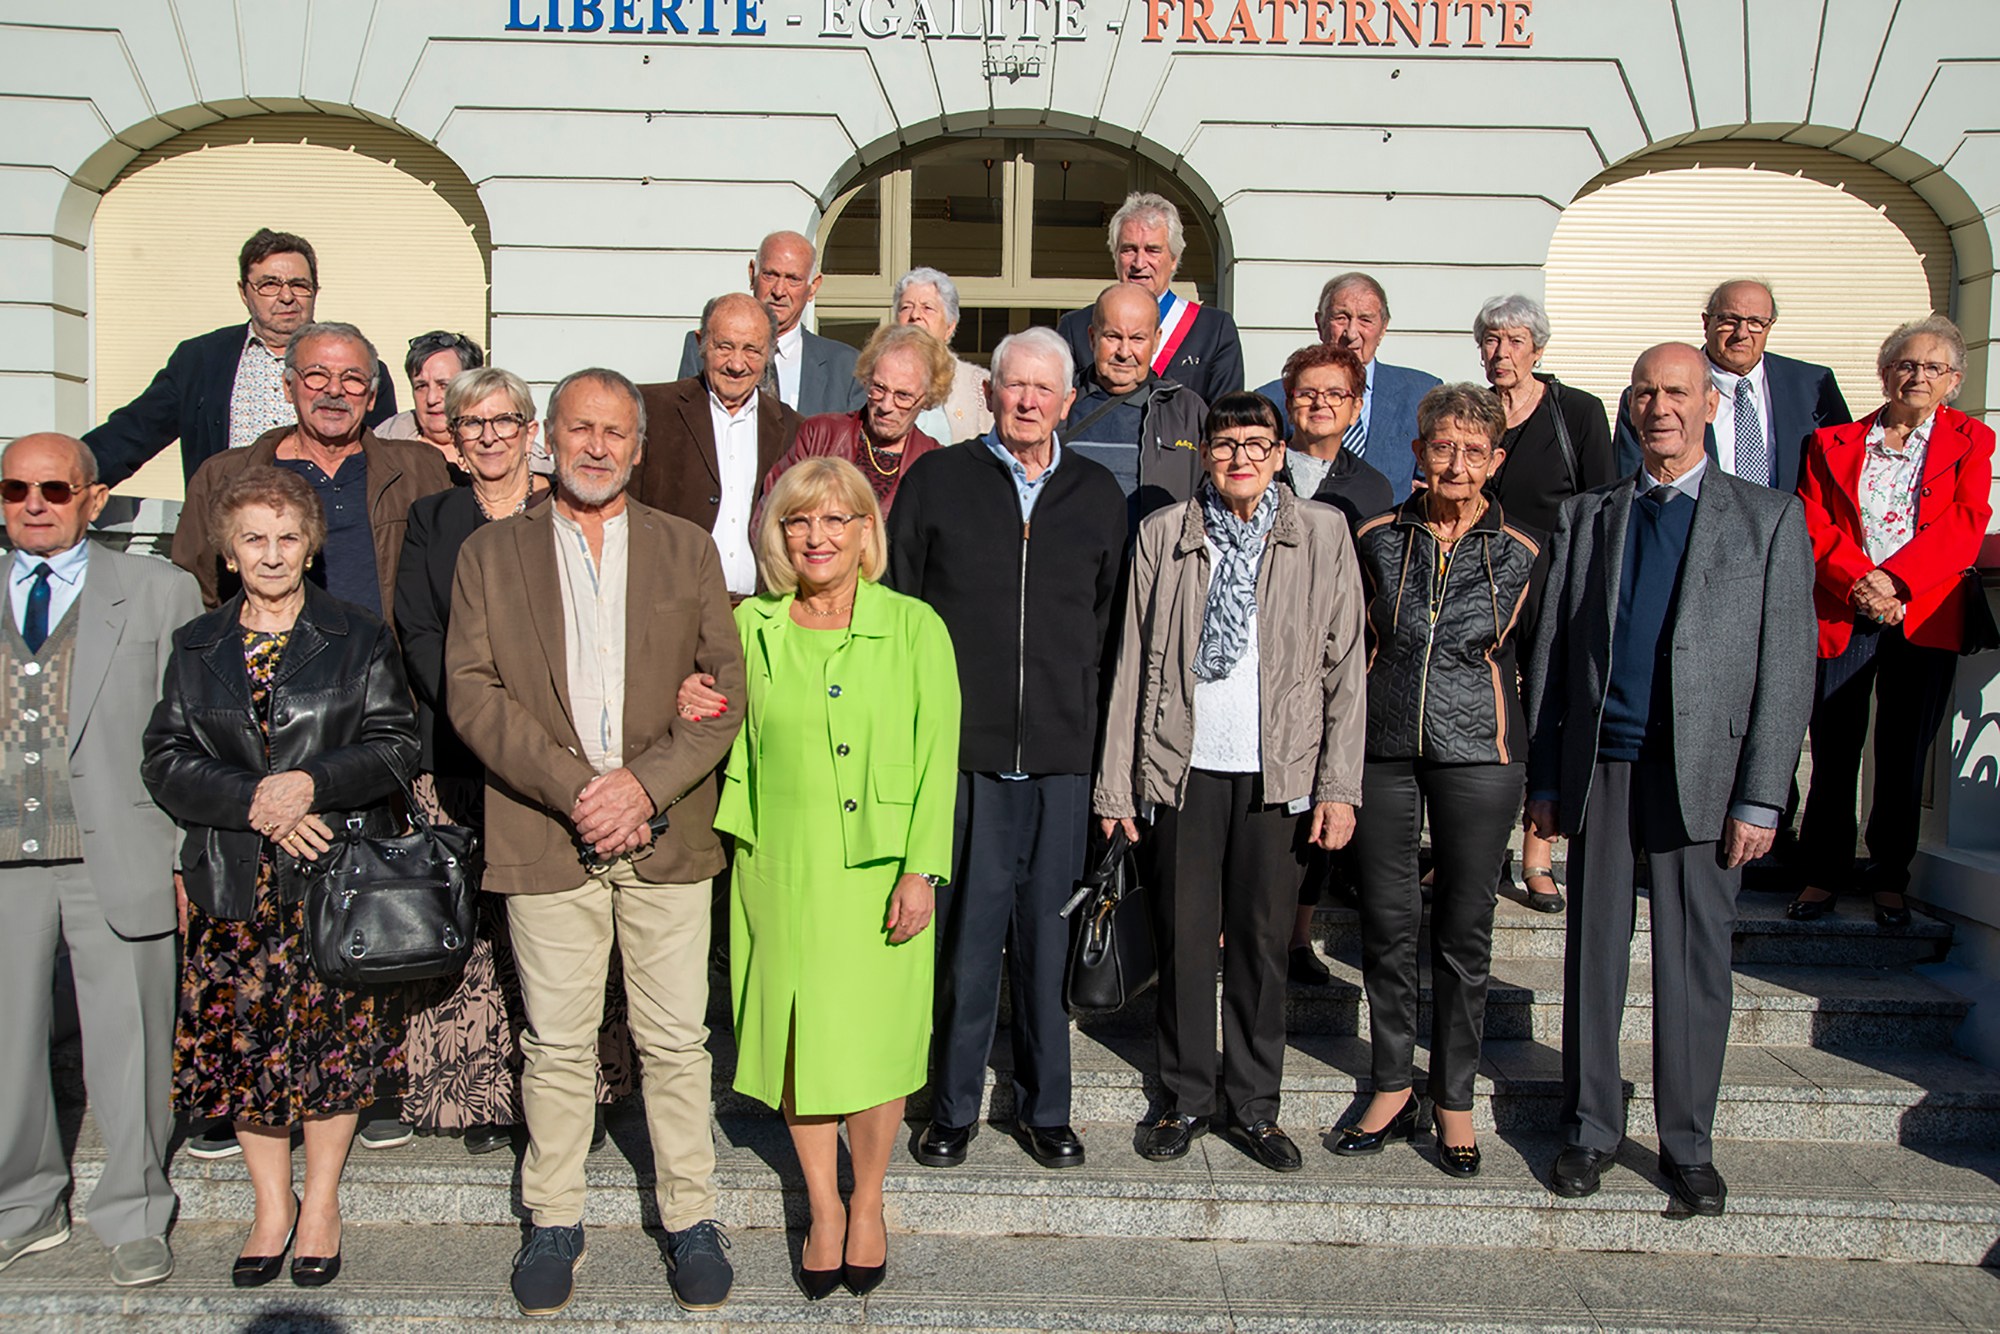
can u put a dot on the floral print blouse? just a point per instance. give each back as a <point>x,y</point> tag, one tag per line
<point>1889,485</point>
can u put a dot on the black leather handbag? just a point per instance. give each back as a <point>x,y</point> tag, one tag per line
<point>1981,634</point>
<point>393,909</point>
<point>1112,957</point>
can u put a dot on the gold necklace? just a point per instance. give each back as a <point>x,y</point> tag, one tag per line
<point>879,469</point>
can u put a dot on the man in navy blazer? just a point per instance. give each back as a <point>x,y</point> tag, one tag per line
<point>814,374</point>
<point>1354,312</point>
<point>226,387</point>
<point>1769,405</point>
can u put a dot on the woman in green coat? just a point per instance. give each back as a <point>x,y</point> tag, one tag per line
<point>839,793</point>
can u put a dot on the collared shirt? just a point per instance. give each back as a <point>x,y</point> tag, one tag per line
<point>1889,485</point>
<point>736,463</point>
<point>1027,490</point>
<point>259,401</point>
<point>1725,415</point>
<point>791,346</point>
<point>66,571</point>
<point>348,558</point>
<point>1688,483</point>
<point>593,595</point>
<point>1367,401</point>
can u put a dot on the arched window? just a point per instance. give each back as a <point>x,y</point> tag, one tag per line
<point>1018,223</point>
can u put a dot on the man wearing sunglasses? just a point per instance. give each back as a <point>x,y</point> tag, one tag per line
<point>225,388</point>
<point>84,854</point>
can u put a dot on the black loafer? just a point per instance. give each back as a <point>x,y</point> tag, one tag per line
<point>1891,919</point>
<point>1578,1172</point>
<point>1306,969</point>
<point>1265,1142</point>
<point>944,1146</point>
<point>1699,1189</point>
<point>1052,1146</point>
<point>1354,1142</point>
<point>1458,1162</point>
<point>1170,1136</point>
<point>487,1139</point>
<point>1803,909</point>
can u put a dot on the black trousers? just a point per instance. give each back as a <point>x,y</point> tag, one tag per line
<point>1020,852</point>
<point>1635,807</point>
<point>1472,807</point>
<point>1911,686</point>
<point>1223,864</point>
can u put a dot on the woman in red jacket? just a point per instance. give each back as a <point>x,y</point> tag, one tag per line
<point>1897,504</point>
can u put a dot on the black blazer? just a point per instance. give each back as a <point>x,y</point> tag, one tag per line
<point>189,400</point>
<point>339,710</point>
<point>1804,397</point>
<point>1210,359</point>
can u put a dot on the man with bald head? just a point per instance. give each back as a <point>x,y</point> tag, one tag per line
<point>813,374</point>
<point>1668,693</point>
<point>1142,426</point>
<point>85,858</point>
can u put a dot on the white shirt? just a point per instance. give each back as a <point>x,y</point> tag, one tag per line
<point>593,596</point>
<point>791,346</point>
<point>1367,399</point>
<point>736,462</point>
<point>1725,415</point>
<point>1228,722</point>
<point>66,571</point>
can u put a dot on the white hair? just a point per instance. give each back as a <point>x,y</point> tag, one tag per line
<point>1157,210</point>
<point>1041,341</point>
<point>1512,312</point>
<point>923,276</point>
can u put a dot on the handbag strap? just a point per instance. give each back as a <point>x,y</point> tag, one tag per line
<point>1562,434</point>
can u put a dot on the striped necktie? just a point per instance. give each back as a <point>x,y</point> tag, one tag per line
<point>1753,459</point>
<point>1355,438</point>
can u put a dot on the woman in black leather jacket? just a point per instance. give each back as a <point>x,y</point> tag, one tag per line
<point>284,717</point>
<point>1447,582</point>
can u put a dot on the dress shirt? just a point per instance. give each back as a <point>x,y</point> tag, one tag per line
<point>1725,416</point>
<point>1889,484</point>
<point>1367,401</point>
<point>1688,483</point>
<point>66,571</point>
<point>1028,491</point>
<point>736,462</point>
<point>593,596</point>
<point>791,346</point>
<point>259,401</point>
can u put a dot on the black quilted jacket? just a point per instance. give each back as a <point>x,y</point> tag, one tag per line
<point>1449,694</point>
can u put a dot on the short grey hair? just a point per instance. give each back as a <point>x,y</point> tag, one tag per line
<point>469,387</point>
<point>599,375</point>
<point>1039,339</point>
<point>1158,210</point>
<point>1932,326</point>
<point>708,309</point>
<point>1512,312</point>
<point>1715,293</point>
<point>332,329</point>
<point>86,458</point>
<point>924,276</point>
<point>1340,282</point>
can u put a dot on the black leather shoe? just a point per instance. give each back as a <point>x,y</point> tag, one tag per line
<point>818,1284</point>
<point>1170,1136</point>
<point>1265,1142</point>
<point>486,1139</point>
<point>254,1271</point>
<point>944,1146</point>
<point>1052,1146</point>
<point>1803,909</point>
<point>315,1271</point>
<point>863,1279</point>
<point>1458,1162</point>
<point>1577,1172</point>
<point>1699,1188</point>
<point>1306,969</point>
<point>1891,919</point>
<point>1354,1142</point>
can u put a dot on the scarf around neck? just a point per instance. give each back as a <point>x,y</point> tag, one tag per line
<point>1232,584</point>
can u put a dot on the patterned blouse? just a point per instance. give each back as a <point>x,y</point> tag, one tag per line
<point>1889,484</point>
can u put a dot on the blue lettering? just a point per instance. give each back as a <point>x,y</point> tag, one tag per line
<point>624,15</point>
<point>514,23</point>
<point>667,14</point>
<point>586,15</point>
<point>553,25</point>
<point>708,28</point>
<point>746,14</point>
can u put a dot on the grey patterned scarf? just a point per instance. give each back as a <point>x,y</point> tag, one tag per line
<point>1232,584</point>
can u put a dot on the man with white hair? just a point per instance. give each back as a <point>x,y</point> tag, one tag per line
<point>1198,346</point>
<point>1016,542</point>
<point>814,374</point>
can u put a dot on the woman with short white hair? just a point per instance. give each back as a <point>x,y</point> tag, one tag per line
<point>927,297</point>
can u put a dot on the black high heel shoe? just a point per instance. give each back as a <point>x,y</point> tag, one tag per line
<point>1891,919</point>
<point>254,1271</point>
<point>315,1271</point>
<point>864,1279</point>
<point>819,1284</point>
<point>1458,1162</point>
<point>1355,1142</point>
<point>1803,909</point>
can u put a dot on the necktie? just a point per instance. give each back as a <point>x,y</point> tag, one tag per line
<point>35,629</point>
<point>1355,437</point>
<point>1753,461</point>
<point>1662,493</point>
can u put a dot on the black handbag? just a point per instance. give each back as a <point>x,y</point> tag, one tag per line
<point>1981,634</point>
<point>1112,956</point>
<point>393,909</point>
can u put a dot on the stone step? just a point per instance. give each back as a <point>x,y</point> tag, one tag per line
<point>446,1278</point>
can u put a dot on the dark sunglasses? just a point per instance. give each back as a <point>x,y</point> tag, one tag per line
<point>14,491</point>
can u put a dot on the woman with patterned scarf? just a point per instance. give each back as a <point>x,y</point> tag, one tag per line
<point>1237,708</point>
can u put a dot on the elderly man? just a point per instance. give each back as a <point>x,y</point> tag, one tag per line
<point>226,388</point>
<point>1146,429</point>
<point>1027,604</point>
<point>89,860</point>
<point>366,484</point>
<point>1668,692</point>
<point>1354,312</point>
<point>564,620</point>
<point>1767,405</point>
<point>1198,345</point>
<point>814,374</point>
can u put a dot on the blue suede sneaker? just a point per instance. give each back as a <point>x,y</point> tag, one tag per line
<point>697,1268</point>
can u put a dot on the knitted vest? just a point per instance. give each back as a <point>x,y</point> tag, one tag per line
<point>37,819</point>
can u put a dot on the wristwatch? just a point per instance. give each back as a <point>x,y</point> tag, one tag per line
<point>937,881</point>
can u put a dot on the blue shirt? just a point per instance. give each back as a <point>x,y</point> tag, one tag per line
<point>1028,491</point>
<point>349,558</point>
<point>66,570</point>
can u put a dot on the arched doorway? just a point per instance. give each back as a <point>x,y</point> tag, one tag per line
<point>1018,222</point>
<point>401,238</point>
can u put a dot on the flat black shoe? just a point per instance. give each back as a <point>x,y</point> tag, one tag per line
<point>1803,909</point>
<point>1306,968</point>
<point>486,1139</point>
<point>1699,1189</point>
<point>1577,1172</point>
<point>1171,1136</point>
<point>315,1271</point>
<point>819,1284</point>
<point>1891,919</point>
<point>944,1146</point>
<point>1265,1142</point>
<point>1458,1162</point>
<point>1052,1146</point>
<point>254,1271</point>
<point>1550,902</point>
<point>1354,1142</point>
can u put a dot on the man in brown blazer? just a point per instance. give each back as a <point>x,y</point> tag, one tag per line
<point>710,439</point>
<point>553,613</point>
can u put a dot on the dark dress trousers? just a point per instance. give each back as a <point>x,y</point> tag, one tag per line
<point>1209,360</point>
<point>826,374</point>
<point>678,472</point>
<point>1804,398</point>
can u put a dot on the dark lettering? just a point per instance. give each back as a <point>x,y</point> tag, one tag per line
<point>586,15</point>
<point>514,23</point>
<point>624,16</point>
<point>708,28</point>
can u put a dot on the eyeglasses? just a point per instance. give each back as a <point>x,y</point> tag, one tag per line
<point>15,491</point>
<point>1928,370</point>
<point>902,398</point>
<point>833,525</point>
<point>1330,397</point>
<point>505,426</point>
<point>1440,451</point>
<point>352,383</point>
<point>1756,324</point>
<point>1254,450</point>
<point>270,287</point>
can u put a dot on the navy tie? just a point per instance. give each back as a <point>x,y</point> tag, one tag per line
<point>1753,460</point>
<point>35,628</point>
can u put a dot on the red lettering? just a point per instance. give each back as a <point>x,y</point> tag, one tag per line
<point>1514,23</point>
<point>1158,12</point>
<point>1412,24</point>
<point>1319,24</point>
<point>1195,19</point>
<point>1241,23</point>
<point>1277,10</point>
<point>1475,12</point>
<point>1438,12</point>
<point>1359,24</point>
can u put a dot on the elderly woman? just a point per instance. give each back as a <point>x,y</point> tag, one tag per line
<point>1242,639</point>
<point>929,299</point>
<point>1557,443</point>
<point>840,798</point>
<point>903,370</point>
<point>1896,505</point>
<point>434,360</point>
<point>1447,580</point>
<point>464,1048</point>
<point>284,716</point>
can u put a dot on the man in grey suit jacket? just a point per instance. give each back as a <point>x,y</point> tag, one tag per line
<point>1668,694</point>
<point>85,857</point>
<point>814,374</point>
